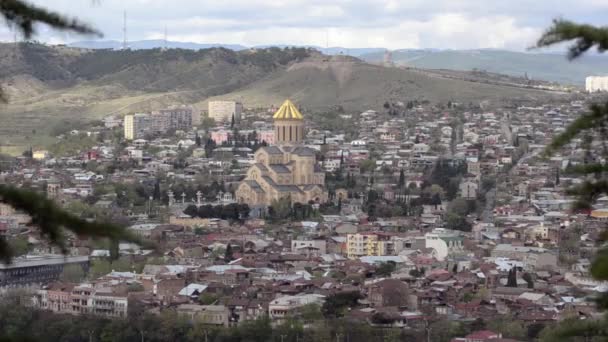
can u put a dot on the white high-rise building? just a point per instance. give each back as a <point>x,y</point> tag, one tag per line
<point>596,83</point>
<point>223,111</point>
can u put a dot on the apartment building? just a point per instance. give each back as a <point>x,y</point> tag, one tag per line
<point>136,126</point>
<point>223,111</point>
<point>83,299</point>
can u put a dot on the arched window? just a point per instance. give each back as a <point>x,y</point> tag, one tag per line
<point>283,134</point>
<point>290,138</point>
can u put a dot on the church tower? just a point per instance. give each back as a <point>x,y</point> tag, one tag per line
<point>288,125</point>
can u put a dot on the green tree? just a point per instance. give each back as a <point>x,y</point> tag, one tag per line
<point>528,278</point>
<point>512,278</point>
<point>591,125</point>
<point>228,257</point>
<point>191,210</point>
<point>385,269</point>
<point>509,327</point>
<point>335,304</point>
<point>207,298</point>
<point>19,245</point>
<point>72,273</point>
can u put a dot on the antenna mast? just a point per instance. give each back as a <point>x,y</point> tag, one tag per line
<point>124,31</point>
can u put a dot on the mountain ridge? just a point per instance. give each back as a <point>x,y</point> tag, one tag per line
<point>542,65</point>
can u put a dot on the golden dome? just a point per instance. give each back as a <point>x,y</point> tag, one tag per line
<point>288,111</point>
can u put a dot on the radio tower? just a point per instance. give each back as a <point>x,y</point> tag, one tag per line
<point>124,31</point>
<point>165,38</point>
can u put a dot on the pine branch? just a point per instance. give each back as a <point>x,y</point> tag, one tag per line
<point>52,220</point>
<point>584,36</point>
<point>588,169</point>
<point>598,114</point>
<point>25,16</point>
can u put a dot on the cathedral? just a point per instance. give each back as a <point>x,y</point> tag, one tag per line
<point>285,170</point>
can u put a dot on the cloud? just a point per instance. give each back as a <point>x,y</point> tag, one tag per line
<point>394,24</point>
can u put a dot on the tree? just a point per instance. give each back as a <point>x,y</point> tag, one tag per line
<point>156,193</point>
<point>528,278</point>
<point>26,16</point>
<point>99,268</point>
<point>207,298</point>
<point>191,210</point>
<point>46,215</point>
<point>335,304</point>
<point>508,327</point>
<point>512,278</point>
<point>19,246</point>
<point>72,273</point>
<point>591,124</point>
<point>280,209</point>
<point>228,257</point>
<point>386,269</point>
<point>401,183</point>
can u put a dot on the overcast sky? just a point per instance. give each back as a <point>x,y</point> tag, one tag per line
<point>393,24</point>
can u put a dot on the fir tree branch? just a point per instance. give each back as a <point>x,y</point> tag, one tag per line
<point>25,16</point>
<point>588,169</point>
<point>52,220</point>
<point>587,121</point>
<point>584,36</point>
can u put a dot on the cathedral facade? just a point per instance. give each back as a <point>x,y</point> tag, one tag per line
<point>285,170</point>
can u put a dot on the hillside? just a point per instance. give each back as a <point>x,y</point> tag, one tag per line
<point>53,89</point>
<point>543,66</point>
<point>537,65</point>
<point>319,83</point>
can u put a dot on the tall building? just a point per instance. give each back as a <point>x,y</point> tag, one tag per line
<point>223,111</point>
<point>285,170</point>
<point>596,83</point>
<point>136,126</point>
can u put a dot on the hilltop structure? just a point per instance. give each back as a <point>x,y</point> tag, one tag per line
<point>286,169</point>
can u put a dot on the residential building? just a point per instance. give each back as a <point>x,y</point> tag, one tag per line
<point>135,126</point>
<point>444,243</point>
<point>88,300</point>
<point>307,247</point>
<point>282,306</point>
<point>468,189</point>
<point>369,244</point>
<point>596,83</point>
<point>205,314</point>
<point>224,111</point>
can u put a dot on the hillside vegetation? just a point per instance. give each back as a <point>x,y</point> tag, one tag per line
<point>57,88</point>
